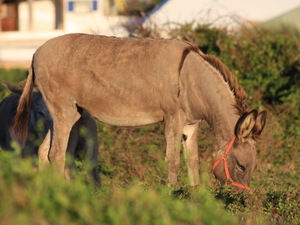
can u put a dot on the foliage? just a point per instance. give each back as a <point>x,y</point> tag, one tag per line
<point>133,7</point>
<point>46,198</point>
<point>12,76</point>
<point>264,60</point>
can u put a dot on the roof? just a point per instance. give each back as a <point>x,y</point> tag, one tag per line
<point>290,18</point>
<point>217,11</point>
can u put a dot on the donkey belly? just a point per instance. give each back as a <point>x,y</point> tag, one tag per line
<point>123,110</point>
<point>127,100</point>
<point>130,118</point>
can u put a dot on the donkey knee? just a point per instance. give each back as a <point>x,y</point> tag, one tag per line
<point>173,168</point>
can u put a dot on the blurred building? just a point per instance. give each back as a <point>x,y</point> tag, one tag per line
<point>89,16</point>
<point>222,13</point>
<point>26,24</point>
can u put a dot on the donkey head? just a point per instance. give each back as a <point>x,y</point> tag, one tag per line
<point>40,117</point>
<point>40,120</point>
<point>238,161</point>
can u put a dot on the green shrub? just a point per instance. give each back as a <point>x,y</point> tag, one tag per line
<point>263,60</point>
<point>28,197</point>
<point>283,205</point>
<point>13,76</point>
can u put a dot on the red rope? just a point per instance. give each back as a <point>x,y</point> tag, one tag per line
<point>225,161</point>
<point>217,162</point>
<point>240,186</point>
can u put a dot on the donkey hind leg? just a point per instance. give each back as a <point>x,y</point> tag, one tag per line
<point>63,121</point>
<point>173,131</point>
<point>43,152</point>
<point>190,146</point>
<point>73,143</point>
<point>91,149</point>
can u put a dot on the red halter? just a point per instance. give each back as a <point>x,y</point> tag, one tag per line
<point>224,158</point>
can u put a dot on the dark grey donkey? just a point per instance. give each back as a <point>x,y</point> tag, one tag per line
<point>83,141</point>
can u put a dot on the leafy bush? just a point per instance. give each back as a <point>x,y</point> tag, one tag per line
<point>264,60</point>
<point>283,204</point>
<point>13,76</point>
<point>46,198</point>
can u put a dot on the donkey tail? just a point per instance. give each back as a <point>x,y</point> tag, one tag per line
<point>19,129</point>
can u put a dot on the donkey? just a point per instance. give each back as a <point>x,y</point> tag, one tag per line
<point>134,82</point>
<point>38,125</point>
<point>40,122</point>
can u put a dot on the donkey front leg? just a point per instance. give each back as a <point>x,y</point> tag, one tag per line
<point>173,131</point>
<point>190,145</point>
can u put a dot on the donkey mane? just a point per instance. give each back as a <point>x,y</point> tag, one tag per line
<point>238,91</point>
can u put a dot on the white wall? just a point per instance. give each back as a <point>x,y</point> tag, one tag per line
<point>95,23</point>
<point>43,16</point>
<point>218,12</point>
<point>86,19</point>
<point>81,19</point>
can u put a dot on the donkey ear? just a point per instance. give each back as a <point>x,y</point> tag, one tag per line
<point>13,88</point>
<point>260,122</point>
<point>245,124</point>
<point>23,83</point>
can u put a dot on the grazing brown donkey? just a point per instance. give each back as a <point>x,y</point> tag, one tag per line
<point>134,82</point>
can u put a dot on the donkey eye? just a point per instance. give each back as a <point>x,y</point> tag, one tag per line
<point>241,167</point>
<point>41,114</point>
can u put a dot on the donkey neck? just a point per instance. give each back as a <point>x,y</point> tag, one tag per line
<point>222,119</point>
<point>209,92</point>
<point>220,111</point>
<point>220,101</point>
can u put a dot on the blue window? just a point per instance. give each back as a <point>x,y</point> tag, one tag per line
<point>71,6</point>
<point>79,5</point>
<point>94,5</point>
